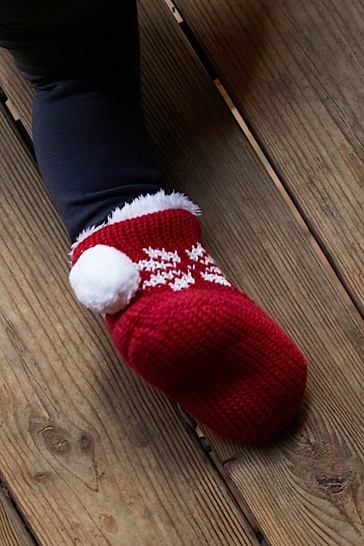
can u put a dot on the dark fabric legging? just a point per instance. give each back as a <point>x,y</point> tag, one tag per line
<point>82,59</point>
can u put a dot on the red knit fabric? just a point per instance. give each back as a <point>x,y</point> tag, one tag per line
<point>195,337</point>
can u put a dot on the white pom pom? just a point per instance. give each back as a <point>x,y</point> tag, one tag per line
<point>104,279</point>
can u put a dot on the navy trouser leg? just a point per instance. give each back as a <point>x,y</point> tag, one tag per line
<point>82,59</point>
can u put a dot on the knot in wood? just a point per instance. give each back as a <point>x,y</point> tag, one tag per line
<point>56,439</point>
<point>332,486</point>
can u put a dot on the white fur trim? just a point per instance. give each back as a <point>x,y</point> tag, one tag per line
<point>104,279</point>
<point>145,204</point>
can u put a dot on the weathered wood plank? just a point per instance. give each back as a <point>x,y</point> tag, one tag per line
<point>306,488</point>
<point>91,455</point>
<point>296,74</point>
<point>251,231</point>
<point>12,530</point>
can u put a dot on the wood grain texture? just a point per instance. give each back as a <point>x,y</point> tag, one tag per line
<point>12,530</point>
<point>256,240</point>
<point>91,455</point>
<point>19,95</point>
<point>296,74</point>
<point>250,230</point>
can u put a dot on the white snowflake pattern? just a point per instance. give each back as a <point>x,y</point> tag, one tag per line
<point>164,270</point>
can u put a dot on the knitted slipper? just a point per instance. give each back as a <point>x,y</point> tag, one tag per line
<point>181,325</point>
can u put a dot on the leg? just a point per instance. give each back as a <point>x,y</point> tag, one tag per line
<point>82,59</point>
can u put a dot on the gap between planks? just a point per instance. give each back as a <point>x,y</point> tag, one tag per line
<point>197,436</point>
<point>14,530</point>
<point>330,268</point>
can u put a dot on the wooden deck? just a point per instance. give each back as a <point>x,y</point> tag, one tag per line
<point>90,455</point>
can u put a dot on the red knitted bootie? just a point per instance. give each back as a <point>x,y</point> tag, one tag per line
<point>181,325</point>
